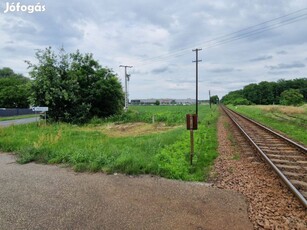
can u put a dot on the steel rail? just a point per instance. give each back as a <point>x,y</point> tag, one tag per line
<point>263,155</point>
<point>301,147</point>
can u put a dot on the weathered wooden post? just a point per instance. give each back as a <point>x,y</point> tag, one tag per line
<point>191,120</point>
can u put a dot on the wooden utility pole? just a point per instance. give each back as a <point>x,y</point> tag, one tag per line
<point>196,61</point>
<point>210,98</point>
<point>191,141</point>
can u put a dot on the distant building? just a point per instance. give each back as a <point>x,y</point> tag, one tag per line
<point>143,101</point>
<point>163,101</point>
<point>187,101</point>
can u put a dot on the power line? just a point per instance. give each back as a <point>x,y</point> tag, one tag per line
<point>179,52</point>
<point>258,31</point>
<point>257,25</point>
<point>234,36</point>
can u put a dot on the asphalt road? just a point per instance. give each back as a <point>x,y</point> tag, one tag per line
<point>18,121</point>
<point>34,196</point>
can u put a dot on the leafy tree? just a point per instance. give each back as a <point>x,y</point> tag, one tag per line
<point>303,91</point>
<point>291,97</point>
<point>6,72</point>
<point>214,99</point>
<point>14,89</point>
<point>74,86</point>
<point>251,93</point>
<point>157,102</point>
<point>232,96</point>
<point>261,93</point>
<point>266,92</point>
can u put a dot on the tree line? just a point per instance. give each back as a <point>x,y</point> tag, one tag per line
<point>285,92</point>
<point>74,86</point>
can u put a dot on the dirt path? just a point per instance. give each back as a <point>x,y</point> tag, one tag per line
<point>34,196</point>
<point>271,205</point>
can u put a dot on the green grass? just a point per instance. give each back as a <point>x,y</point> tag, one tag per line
<point>87,148</point>
<point>292,121</point>
<point>17,117</point>
<point>171,115</point>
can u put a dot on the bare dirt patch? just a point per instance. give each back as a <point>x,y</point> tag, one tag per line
<point>271,205</point>
<point>130,129</point>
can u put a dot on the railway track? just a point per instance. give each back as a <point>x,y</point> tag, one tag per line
<point>286,157</point>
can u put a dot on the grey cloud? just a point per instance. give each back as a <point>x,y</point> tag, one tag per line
<point>46,30</point>
<point>287,66</point>
<point>281,52</point>
<point>278,72</point>
<point>182,81</point>
<point>18,26</point>
<point>160,70</point>
<point>215,82</point>
<point>227,80</point>
<point>261,58</point>
<point>139,72</point>
<point>9,49</point>
<point>223,70</point>
<point>178,88</point>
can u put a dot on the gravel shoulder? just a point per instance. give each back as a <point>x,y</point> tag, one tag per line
<point>271,204</point>
<point>35,196</point>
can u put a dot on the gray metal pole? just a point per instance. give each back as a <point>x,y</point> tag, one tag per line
<point>126,90</point>
<point>126,87</point>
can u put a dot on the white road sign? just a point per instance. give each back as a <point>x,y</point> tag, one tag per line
<point>40,109</point>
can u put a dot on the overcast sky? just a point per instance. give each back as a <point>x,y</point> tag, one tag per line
<point>242,41</point>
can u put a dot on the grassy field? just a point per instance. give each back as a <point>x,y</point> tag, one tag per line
<point>130,143</point>
<point>290,120</point>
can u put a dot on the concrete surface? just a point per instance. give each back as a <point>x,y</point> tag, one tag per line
<point>18,121</point>
<point>34,196</point>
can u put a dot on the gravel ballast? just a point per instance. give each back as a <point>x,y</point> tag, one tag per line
<point>238,168</point>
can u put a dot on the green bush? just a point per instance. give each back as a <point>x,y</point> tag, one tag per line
<point>241,101</point>
<point>291,97</point>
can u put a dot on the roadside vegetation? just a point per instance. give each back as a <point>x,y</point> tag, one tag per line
<point>290,120</point>
<point>145,140</point>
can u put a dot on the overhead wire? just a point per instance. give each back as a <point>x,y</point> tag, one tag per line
<point>231,37</point>
<point>258,31</point>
